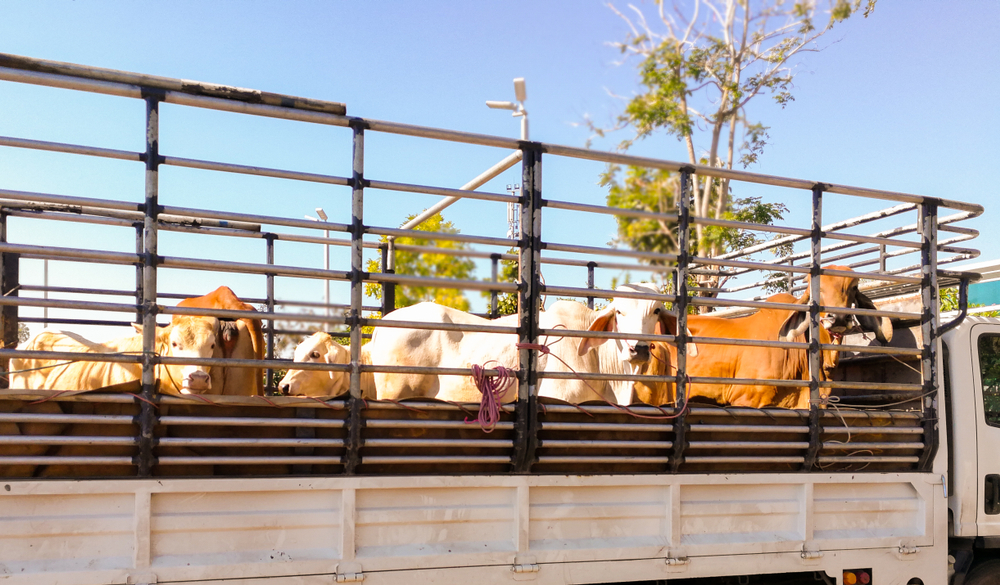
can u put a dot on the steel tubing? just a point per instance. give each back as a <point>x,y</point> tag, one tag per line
<point>238,460</point>
<point>422,235</point>
<point>859,459</point>
<point>60,304</point>
<point>442,282</point>
<point>743,459</point>
<point>70,440</point>
<point>859,430</point>
<point>620,427</point>
<point>457,193</point>
<point>70,148</point>
<point>392,323</point>
<point>171,420</point>
<point>552,459</point>
<point>422,443</point>
<point>430,460</point>
<point>71,253</point>
<point>277,270</point>
<point>551,444</point>
<point>429,424</point>
<point>616,211</point>
<point>553,247</point>
<point>67,200</point>
<point>708,428</point>
<point>53,460</point>
<point>254,219</point>
<point>598,292</point>
<point>252,170</point>
<point>840,446</point>
<point>247,442</point>
<point>747,445</point>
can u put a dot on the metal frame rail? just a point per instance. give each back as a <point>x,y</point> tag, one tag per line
<point>535,431</point>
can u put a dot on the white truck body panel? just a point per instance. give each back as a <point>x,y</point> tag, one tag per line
<point>393,529</point>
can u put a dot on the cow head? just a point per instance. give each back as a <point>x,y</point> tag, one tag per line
<point>319,348</point>
<point>633,316</point>
<point>186,337</point>
<point>842,291</point>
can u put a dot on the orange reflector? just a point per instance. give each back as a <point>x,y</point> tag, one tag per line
<point>850,578</point>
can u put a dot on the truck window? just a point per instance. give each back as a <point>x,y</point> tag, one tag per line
<point>989,372</point>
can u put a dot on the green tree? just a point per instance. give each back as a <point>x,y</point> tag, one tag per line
<point>506,302</point>
<point>428,264</point>
<point>700,64</point>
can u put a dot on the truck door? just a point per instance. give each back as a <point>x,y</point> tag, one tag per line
<point>986,363</point>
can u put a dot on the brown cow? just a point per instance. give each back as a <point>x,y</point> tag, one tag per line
<point>241,339</point>
<point>763,363</point>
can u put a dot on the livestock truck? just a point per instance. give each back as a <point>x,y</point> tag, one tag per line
<point>889,477</point>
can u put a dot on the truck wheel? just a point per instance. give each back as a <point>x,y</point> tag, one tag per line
<point>987,573</point>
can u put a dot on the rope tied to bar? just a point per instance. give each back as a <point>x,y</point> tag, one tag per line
<point>492,389</point>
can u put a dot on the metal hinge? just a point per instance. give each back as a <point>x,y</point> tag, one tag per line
<point>525,568</point>
<point>677,561</point>
<point>349,573</point>
<point>908,550</point>
<point>811,552</point>
<point>141,579</point>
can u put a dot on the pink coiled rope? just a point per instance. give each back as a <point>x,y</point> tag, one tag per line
<point>492,388</point>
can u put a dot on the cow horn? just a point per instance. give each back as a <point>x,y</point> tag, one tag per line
<point>881,326</point>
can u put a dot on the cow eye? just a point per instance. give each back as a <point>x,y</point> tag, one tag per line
<point>656,311</point>
<point>617,312</point>
<point>173,344</point>
<point>314,355</point>
<point>213,346</point>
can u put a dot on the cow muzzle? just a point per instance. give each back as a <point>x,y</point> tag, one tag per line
<point>639,354</point>
<point>196,381</point>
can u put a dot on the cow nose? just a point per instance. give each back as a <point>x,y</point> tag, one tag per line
<point>640,352</point>
<point>198,380</point>
<point>285,388</point>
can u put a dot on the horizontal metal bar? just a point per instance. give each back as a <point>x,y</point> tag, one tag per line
<point>257,219</point>
<point>422,235</point>
<point>748,445</point>
<point>858,459</point>
<point>171,420</point>
<point>616,211</point>
<point>862,430</point>
<point>744,225</point>
<point>768,429</point>
<point>871,386</point>
<point>253,170</point>
<point>69,440</point>
<point>53,460</point>
<point>873,240</point>
<point>457,193</point>
<point>430,424</point>
<point>244,267</point>
<point>598,376</point>
<point>67,200</point>
<point>613,265</point>
<point>603,459</point>
<point>237,460</point>
<point>619,427</point>
<point>550,444</point>
<point>70,148</point>
<point>76,419</point>
<point>431,460</point>
<point>553,247</point>
<point>837,445</point>
<point>622,294</point>
<point>741,459</point>
<point>247,442</point>
<point>427,443</point>
<point>607,335</point>
<point>72,356</point>
<point>72,253</point>
<point>406,279</point>
<point>703,261</point>
<point>724,381</point>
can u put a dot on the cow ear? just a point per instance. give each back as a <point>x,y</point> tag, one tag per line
<point>605,321</point>
<point>336,353</point>
<point>795,325</point>
<point>138,327</point>
<point>667,325</point>
<point>881,326</point>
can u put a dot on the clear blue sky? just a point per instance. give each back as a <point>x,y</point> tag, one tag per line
<point>903,100</point>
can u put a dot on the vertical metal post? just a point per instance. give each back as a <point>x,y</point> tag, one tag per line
<point>388,288</point>
<point>815,356</point>
<point>9,284</point>
<point>590,283</point>
<point>529,297</point>
<point>147,412</point>
<point>352,442</point>
<point>45,291</point>
<point>494,275</point>
<point>881,258</point>
<point>681,306</point>
<point>269,256</point>
<point>929,330</point>
<point>140,247</point>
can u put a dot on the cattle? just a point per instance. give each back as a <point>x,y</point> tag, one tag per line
<point>240,339</point>
<point>185,337</point>
<point>320,348</point>
<point>606,356</point>
<point>763,363</point>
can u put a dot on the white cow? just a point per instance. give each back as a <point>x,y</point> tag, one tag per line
<point>606,356</point>
<point>320,348</point>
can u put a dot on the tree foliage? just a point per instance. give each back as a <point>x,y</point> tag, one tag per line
<point>701,63</point>
<point>428,264</point>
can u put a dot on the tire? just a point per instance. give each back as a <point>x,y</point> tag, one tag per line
<point>986,573</point>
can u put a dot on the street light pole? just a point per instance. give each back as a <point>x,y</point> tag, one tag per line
<point>520,93</point>
<point>326,257</point>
